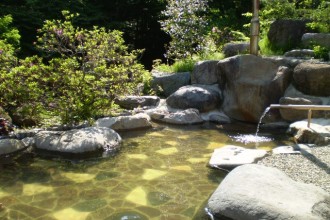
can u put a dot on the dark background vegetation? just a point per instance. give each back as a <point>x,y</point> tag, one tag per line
<point>138,19</point>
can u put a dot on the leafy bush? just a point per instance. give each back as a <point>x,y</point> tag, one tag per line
<point>320,17</point>
<point>24,88</point>
<point>8,33</point>
<point>321,52</point>
<point>186,25</point>
<point>83,73</point>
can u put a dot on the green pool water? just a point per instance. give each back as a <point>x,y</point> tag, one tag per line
<point>160,173</point>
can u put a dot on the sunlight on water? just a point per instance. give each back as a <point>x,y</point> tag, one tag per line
<point>249,138</point>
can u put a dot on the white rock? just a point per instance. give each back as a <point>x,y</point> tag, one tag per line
<point>285,150</point>
<point>231,156</point>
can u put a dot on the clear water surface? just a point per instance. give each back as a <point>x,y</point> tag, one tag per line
<point>160,173</point>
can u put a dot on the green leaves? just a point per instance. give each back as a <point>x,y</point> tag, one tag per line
<point>85,70</point>
<point>186,25</point>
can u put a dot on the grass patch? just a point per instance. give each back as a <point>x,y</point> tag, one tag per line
<point>186,65</point>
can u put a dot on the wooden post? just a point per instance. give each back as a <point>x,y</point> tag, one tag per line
<point>255,25</point>
<point>309,118</point>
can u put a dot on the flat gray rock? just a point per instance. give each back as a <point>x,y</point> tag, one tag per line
<point>8,146</point>
<point>254,192</point>
<point>131,102</point>
<point>185,117</point>
<point>121,123</point>
<point>231,156</point>
<point>78,140</point>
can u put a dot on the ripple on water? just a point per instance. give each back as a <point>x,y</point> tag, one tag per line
<point>249,138</point>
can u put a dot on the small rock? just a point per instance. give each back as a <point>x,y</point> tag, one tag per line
<point>285,150</point>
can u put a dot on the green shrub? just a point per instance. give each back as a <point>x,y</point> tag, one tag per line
<point>25,88</point>
<point>186,25</point>
<point>83,73</point>
<point>321,52</point>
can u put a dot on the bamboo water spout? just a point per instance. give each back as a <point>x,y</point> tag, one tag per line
<point>303,107</point>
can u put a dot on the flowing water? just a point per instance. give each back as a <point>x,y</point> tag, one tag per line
<point>158,174</point>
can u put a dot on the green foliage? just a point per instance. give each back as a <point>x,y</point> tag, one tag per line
<point>24,88</point>
<point>321,52</point>
<point>186,65</point>
<point>7,33</point>
<point>320,17</point>
<point>84,72</point>
<point>267,49</point>
<point>186,25</point>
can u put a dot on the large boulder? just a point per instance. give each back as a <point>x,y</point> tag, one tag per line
<point>294,97</point>
<point>286,34</point>
<point>121,123</point>
<point>232,49</point>
<point>205,72</point>
<point>254,192</point>
<point>201,97</point>
<point>76,141</point>
<point>131,102</point>
<point>295,114</point>
<point>321,39</point>
<point>312,78</point>
<point>167,83</point>
<point>8,146</point>
<point>251,84</point>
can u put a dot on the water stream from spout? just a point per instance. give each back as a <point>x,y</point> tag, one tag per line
<point>260,120</point>
<point>250,138</point>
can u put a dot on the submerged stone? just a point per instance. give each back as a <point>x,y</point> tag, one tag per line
<point>138,196</point>
<point>90,205</point>
<point>137,156</point>
<point>79,177</point>
<point>70,213</point>
<point>34,189</point>
<point>157,198</point>
<point>150,174</point>
<point>168,151</point>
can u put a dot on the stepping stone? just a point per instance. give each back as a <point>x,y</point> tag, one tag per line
<point>231,156</point>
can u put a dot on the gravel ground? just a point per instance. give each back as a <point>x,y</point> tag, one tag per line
<point>306,167</point>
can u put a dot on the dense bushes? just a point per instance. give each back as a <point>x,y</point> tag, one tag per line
<point>81,73</point>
